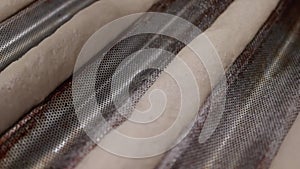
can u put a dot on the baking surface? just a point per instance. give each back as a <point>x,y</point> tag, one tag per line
<point>28,81</point>
<point>242,20</point>
<point>10,7</point>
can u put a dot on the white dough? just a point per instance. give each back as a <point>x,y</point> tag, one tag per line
<point>289,152</point>
<point>230,34</point>
<point>9,7</point>
<point>28,81</point>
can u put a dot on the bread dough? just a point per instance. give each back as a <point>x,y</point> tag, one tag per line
<point>230,34</point>
<point>10,7</point>
<point>288,155</point>
<point>28,81</point>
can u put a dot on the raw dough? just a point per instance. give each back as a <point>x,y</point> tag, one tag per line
<point>289,152</point>
<point>26,82</point>
<point>10,7</point>
<point>230,34</point>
